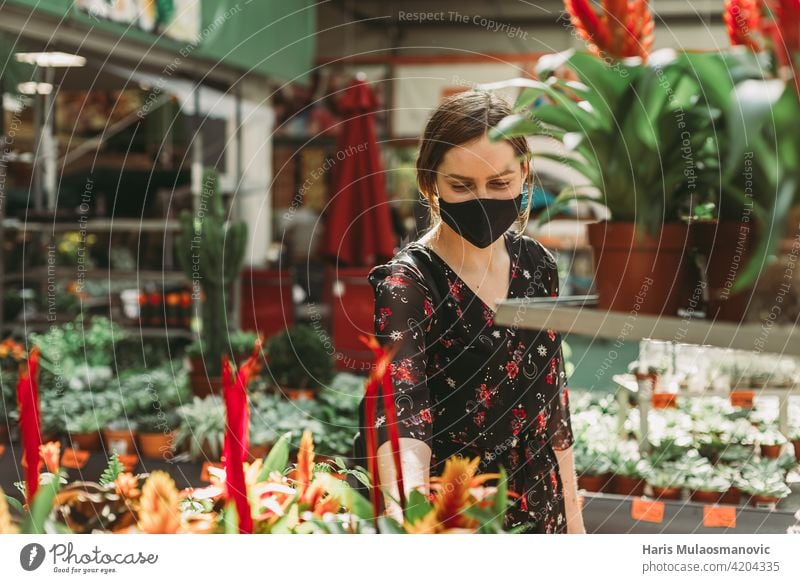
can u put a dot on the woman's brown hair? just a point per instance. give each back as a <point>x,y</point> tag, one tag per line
<point>460,118</point>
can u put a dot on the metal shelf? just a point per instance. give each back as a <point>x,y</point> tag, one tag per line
<point>93,225</point>
<point>542,313</point>
<point>611,513</point>
<point>36,273</point>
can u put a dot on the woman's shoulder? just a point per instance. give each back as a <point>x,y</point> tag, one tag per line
<point>399,270</point>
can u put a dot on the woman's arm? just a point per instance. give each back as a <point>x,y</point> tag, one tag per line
<point>566,468</point>
<point>415,460</point>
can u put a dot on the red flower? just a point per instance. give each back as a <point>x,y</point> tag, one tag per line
<point>384,315</point>
<point>512,369</point>
<point>541,422</point>
<point>479,418</point>
<point>551,334</point>
<point>425,415</point>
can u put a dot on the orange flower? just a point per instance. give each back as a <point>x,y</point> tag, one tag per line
<point>456,489</point>
<point>158,511</point>
<point>127,486</point>
<point>50,453</point>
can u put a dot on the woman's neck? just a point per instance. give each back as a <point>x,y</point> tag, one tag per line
<point>457,251</point>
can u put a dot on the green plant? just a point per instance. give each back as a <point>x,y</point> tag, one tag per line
<point>241,342</point>
<point>666,475</point>
<point>771,436</point>
<point>627,461</point>
<point>298,358</point>
<point>76,345</point>
<point>211,250</point>
<point>86,422</point>
<point>160,422</point>
<point>113,469</point>
<point>591,460</point>
<point>708,478</point>
<point>202,427</point>
<point>628,128</point>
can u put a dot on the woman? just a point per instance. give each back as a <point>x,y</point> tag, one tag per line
<point>476,388</point>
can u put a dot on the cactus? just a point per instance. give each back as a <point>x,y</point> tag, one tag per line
<point>211,252</point>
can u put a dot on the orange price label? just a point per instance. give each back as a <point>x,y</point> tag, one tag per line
<point>719,516</point>
<point>204,475</point>
<point>742,399</point>
<point>129,461</point>
<point>647,510</point>
<point>74,458</point>
<point>665,400</point>
<point>2,449</point>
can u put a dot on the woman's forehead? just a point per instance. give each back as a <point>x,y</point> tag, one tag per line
<point>479,159</point>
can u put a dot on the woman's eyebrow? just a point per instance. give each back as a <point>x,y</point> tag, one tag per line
<point>503,173</point>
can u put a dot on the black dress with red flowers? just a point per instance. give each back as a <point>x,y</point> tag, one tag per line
<point>469,387</point>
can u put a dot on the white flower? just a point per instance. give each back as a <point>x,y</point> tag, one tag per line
<point>452,382</point>
<point>396,335</point>
<point>526,273</point>
<point>380,421</point>
<point>496,333</point>
<point>541,349</point>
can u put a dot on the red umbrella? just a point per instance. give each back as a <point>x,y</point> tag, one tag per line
<point>358,224</point>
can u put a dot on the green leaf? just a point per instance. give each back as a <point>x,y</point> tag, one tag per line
<point>278,457</point>
<point>41,507</point>
<point>112,471</point>
<point>230,519</point>
<point>388,525</point>
<point>15,504</point>
<point>417,507</point>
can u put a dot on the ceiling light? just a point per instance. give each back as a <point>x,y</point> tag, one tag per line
<point>34,88</point>
<point>54,59</point>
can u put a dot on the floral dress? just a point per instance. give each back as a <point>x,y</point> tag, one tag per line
<point>477,388</point>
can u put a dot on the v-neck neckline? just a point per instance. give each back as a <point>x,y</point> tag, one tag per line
<point>511,266</point>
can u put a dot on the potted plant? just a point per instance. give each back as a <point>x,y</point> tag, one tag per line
<point>629,469</point>
<point>708,485</point>
<point>771,442</point>
<point>156,432</point>
<point>210,249</point>
<point>666,481</point>
<point>83,430</point>
<point>794,437</point>
<point>299,362</point>
<point>119,436</point>
<point>593,467</point>
<point>765,480</point>
<point>202,427</point>
<point>241,344</point>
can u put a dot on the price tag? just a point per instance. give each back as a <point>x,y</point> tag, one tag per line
<point>205,476</point>
<point>647,510</point>
<point>74,459</point>
<point>665,400</point>
<point>129,461</point>
<point>742,399</point>
<point>719,516</point>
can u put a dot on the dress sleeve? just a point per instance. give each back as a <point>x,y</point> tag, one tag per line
<point>559,426</point>
<point>403,314</point>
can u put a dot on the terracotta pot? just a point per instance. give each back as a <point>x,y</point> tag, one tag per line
<point>156,445</point>
<point>796,444</point>
<point>771,451</point>
<point>727,246</point>
<point>649,275</point>
<point>667,493</point>
<point>706,497</point>
<point>121,442</point>
<point>299,394</point>
<point>88,441</point>
<point>732,496</point>
<point>628,486</point>
<point>592,483</point>
<point>757,500</point>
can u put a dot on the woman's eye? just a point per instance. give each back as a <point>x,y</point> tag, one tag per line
<point>500,184</point>
<point>460,187</point>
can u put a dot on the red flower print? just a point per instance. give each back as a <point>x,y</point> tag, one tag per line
<point>551,334</point>
<point>541,422</point>
<point>479,418</point>
<point>455,290</point>
<point>519,419</point>
<point>384,314</point>
<point>425,415</point>
<point>512,369</point>
<point>396,280</point>
<point>426,305</point>
<point>553,480</point>
<point>402,371</point>
<point>485,395</point>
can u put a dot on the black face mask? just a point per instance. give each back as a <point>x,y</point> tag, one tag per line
<point>481,220</point>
